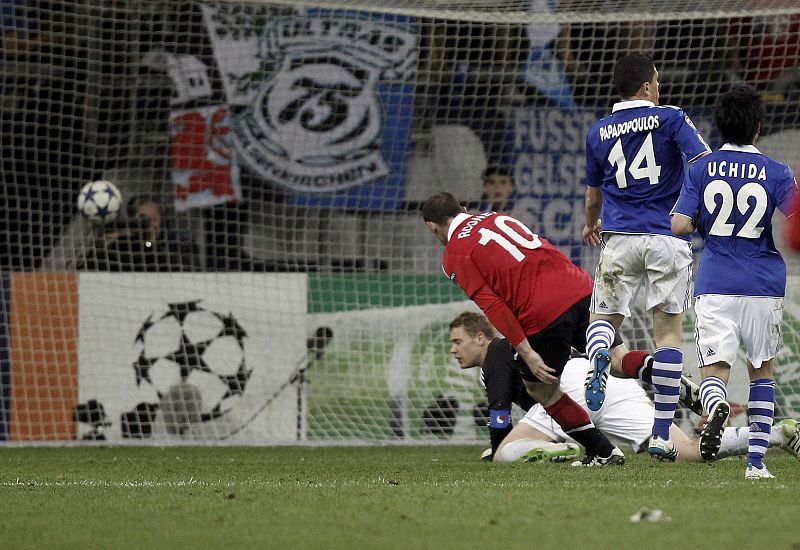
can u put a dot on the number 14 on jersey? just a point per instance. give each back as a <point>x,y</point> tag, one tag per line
<point>643,165</point>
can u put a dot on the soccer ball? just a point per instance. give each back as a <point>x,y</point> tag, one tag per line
<point>99,202</point>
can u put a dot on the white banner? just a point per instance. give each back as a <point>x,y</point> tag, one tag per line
<point>198,357</point>
<point>234,38</point>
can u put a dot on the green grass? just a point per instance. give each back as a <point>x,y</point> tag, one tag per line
<point>380,497</point>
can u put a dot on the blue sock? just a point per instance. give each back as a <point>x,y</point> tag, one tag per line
<point>667,369</point>
<point>599,335</point>
<point>760,412</point>
<point>712,391</point>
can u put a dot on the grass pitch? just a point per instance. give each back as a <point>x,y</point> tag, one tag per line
<point>381,497</point>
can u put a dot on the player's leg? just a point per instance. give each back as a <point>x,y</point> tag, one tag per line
<point>690,395</point>
<point>532,440</point>
<point>688,448</point>
<point>555,344</point>
<point>787,431</point>
<point>761,321</point>
<point>717,341</point>
<point>627,414</point>
<point>599,339</point>
<point>760,414</point>
<point>666,377</point>
<point>617,279</point>
<point>575,422</point>
<point>638,364</point>
<point>668,275</point>
<point>714,396</point>
<point>736,440</point>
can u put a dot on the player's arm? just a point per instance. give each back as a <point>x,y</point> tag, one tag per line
<point>503,319</point>
<point>472,282</point>
<point>593,203</point>
<point>682,224</point>
<point>593,206</point>
<point>689,139</point>
<point>686,208</point>
<point>499,380</point>
<point>786,194</point>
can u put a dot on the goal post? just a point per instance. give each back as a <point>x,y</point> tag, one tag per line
<point>268,279</point>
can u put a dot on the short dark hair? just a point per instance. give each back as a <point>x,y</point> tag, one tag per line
<point>497,170</point>
<point>631,71</point>
<point>473,324</point>
<point>739,114</point>
<point>441,207</point>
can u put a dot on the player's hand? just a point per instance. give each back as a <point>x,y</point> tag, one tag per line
<point>535,363</point>
<point>542,371</point>
<point>538,368</point>
<point>591,235</point>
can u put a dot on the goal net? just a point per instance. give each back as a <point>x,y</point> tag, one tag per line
<point>268,279</point>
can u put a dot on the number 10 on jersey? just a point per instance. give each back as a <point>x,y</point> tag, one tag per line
<point>510,239</point>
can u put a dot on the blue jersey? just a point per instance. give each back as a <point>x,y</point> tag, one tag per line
<point>637,156</point>
<point>731,195</point>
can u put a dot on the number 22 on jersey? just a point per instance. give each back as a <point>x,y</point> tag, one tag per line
<point>722,226</point>
<point>642,166</point>
<point>510,239</point>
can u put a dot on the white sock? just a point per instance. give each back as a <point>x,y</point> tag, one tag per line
<point>517,448</point>
<point>735,441</point>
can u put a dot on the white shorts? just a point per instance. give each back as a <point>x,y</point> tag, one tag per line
<point>626,416</point>
<point>662,264</point>
<point>723,322</point>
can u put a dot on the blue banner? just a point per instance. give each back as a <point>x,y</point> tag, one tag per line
<point>331,123</point>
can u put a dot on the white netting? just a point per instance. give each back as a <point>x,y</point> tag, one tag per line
<point>289,290</point>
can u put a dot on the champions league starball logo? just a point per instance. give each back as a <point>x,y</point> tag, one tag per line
<point>316,125</point>
<point>193,360</point>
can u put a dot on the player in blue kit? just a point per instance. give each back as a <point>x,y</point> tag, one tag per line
<point>635,164</point>
<point>730,197</point>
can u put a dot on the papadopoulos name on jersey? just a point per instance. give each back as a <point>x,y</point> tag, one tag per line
<point>640,124</point>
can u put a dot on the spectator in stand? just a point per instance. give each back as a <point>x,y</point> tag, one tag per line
<point>499,192</point>
<point>19,29</point>
<point>42,145</point>
<point>141,242</point>
<point>551,63</point>
<point>481,63</point>
<point>765,50</point>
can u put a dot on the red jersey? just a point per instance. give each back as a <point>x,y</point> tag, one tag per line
<point>520,281</point>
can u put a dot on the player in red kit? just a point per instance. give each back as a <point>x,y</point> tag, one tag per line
<point>534,295</point>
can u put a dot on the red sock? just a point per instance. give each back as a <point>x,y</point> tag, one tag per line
<point>635,365</point>
<point>576,423</point>
<point>568,414</point>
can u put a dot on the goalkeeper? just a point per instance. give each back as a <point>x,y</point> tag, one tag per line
<point>626,419</point>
